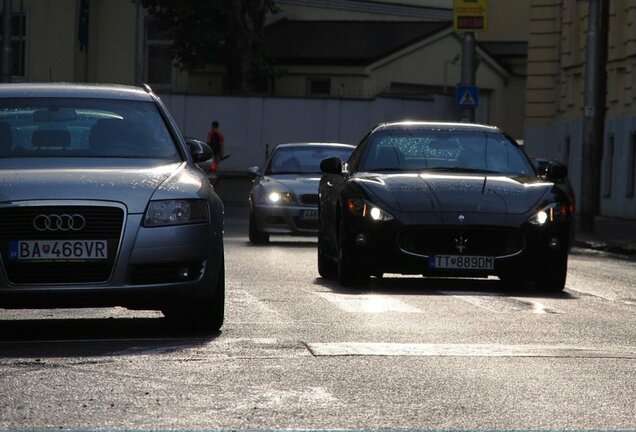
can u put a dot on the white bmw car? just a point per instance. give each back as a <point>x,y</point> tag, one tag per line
<point>284,195</point>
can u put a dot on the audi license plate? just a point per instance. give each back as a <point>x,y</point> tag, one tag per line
<point>309,215</point>
<point>58,250</point>
<point>462,262</point>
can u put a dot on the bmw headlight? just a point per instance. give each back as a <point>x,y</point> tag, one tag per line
<point>556,212</point>
<point>176,212</point>
<point>274,197</point>
<point>280,197</point>
<point>363,208</point>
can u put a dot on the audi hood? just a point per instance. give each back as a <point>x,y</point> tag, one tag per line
<point>452,192</point>
<point>132,182</point>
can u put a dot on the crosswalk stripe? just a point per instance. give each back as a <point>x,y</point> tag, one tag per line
<point>465,350</point>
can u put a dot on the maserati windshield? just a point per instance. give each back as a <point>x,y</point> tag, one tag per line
<point>453,151</point>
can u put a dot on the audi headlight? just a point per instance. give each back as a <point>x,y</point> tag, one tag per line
<point>363,208</point>
<point>176,212</point>
<point>555,212</point>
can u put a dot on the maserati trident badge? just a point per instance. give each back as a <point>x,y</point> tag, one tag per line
<point>461,243</point>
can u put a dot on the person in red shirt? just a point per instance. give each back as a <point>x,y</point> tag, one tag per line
<point>216,140</point>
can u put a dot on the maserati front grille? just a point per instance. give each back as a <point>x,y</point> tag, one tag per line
<point>486,241</point>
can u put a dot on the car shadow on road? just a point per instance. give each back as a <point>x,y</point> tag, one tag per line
<point>429,286</point>
<point>95,337</point>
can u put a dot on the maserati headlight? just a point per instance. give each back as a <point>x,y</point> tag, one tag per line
<point>555,212</point>
<point>176,212</point>
<point>363,208</point>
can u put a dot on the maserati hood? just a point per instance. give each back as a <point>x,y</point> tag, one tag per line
<point>455,192</point>
<point>131,182</point>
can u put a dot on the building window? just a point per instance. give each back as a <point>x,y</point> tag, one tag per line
<point>631,167</point>
<point>18,44</point>
<point>319,86</point>
<point>608,167</point>
<point>158,56</point>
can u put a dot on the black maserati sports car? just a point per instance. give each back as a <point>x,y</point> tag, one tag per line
<point>444,199</point>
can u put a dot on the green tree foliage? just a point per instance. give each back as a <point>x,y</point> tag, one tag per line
<point>228,32</point>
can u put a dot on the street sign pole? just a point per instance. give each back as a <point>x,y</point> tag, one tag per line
<point>469,16</point>
<point>467,113</point>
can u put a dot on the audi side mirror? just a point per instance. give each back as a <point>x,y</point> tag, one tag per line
<point>199,150</point>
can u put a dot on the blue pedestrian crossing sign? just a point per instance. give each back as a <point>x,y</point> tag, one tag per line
<point>467,96</point>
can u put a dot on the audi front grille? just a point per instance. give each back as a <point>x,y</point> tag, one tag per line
<point>66,223</point>
<point>496,242</point>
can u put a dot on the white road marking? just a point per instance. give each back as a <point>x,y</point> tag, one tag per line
<point>368,303</point>
<point>466,350</point>
<point>500,303</point>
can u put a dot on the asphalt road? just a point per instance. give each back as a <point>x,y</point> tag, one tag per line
<point>300,352</point>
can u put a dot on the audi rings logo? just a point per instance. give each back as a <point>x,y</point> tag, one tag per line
<point>59,222</point>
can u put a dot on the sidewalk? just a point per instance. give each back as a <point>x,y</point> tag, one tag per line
<point>611,235</point>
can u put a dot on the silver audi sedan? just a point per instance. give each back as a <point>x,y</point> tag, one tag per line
<point>284,195</point>
<point>102,204</point>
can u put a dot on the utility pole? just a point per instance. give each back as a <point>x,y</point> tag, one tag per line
<point>593,113</point>
<point>7,15</point>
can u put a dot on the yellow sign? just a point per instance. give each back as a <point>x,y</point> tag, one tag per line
<point>470,15</point>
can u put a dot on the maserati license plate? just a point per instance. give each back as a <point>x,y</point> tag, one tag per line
<point>58,249</point>
<point>462,262</point>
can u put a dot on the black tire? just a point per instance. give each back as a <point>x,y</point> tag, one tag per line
<point>351,272</point>
<point>201,314</point>
<point>256,236</point>
<point>327,268</point>
<point>551,278</point>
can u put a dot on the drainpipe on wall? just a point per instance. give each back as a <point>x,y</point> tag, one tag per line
<point>139,44</point>
<point>593,113</point>
<point>7,14</point>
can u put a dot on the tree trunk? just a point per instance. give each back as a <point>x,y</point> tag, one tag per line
<point>246,20</point>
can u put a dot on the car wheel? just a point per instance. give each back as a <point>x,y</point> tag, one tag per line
<point>201,314</point>
<point>551,278</point>
<point>351,272</point>
<point>256,236</point>
<point>326,267</point>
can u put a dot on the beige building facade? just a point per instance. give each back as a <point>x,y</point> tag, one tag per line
<point>555,90</point>
<point>122,47</point>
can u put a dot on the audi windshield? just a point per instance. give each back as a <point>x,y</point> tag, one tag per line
<point>73,127</point>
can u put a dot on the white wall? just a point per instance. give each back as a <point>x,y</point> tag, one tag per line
<point>252,123</point>
<point>548,142</point>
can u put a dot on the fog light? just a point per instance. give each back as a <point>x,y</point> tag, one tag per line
<point>361,240</point>
<point>554,243</point>
<point>184,273</point>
